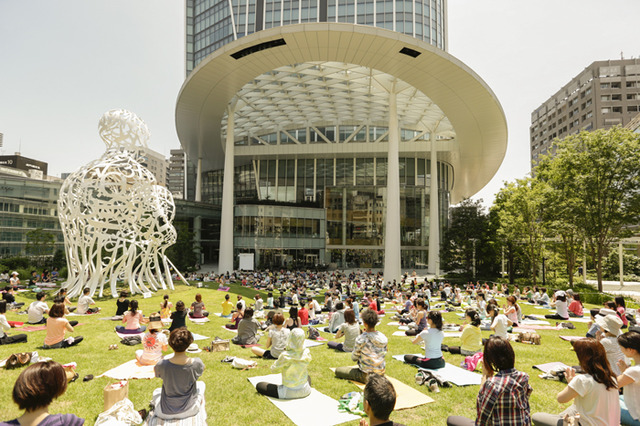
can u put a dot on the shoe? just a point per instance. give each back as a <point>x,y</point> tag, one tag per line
<point>87,378</point>
<point>433,386</point>
<point>75,377</point>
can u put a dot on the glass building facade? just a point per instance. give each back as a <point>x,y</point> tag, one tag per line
<point>210,24</point>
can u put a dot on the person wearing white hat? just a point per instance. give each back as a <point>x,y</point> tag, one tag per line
<point>608,336</point>
<point>181,395</point>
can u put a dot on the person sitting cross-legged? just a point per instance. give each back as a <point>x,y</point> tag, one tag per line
<point>369,351</point>
<point>181,395</point>
<point>504,393</point>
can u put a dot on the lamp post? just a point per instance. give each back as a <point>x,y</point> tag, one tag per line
<point>474,257</point>
<point>544,281</point>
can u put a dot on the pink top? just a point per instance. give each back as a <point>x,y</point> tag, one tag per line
<point>576,308</point>
<point>132,322</point>
<point>622,315</point>
<point>55,330</point>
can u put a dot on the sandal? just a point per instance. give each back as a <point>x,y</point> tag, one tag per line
<point>75,377</point>
<point>87,378</point>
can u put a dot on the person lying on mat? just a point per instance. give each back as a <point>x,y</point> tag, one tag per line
<point>432,338</point>
<point>247,329</point>
<point>629,379</point>
<point>181,395</point>
<point>595,393</point>
<point>471,338</point>
<point>350,329</point>
<point>132,319</point>
<point>36,387</point>
<point>379,400</point>
<point>276,340</point>
<point>57,325</point>
<point>5,339</point>
<point>293,363</point>
<point>153,343</point>
<point>504,393</point>
<point>369,351</point>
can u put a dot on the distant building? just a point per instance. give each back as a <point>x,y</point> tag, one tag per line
<point>181,179</point>
<point>34,168</point>
<point>605,94</point>
<point>155,162</point>
<point>634,124</point>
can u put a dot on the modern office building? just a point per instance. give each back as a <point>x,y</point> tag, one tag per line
<point>333,132</point>
<point>181,176</point>
<point>155,162</point>
<point>604,94</point>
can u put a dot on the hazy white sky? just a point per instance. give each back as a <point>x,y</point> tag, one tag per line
<point>64,63</point>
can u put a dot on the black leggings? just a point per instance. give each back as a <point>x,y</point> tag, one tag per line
<point>413,332</point>
<point>556,316</point>
<point>14,338</point>
<point>432,364</point>
<point>268,389</point>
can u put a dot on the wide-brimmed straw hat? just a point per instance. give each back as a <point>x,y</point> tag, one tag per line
<point>155,322</point>
<point>610,323</point>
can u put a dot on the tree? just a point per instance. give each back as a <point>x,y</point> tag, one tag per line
<point>40,245</point>
<point>183,253</point>
<point>519,207</point>
<point>468,226</point>
<point>598,174</point>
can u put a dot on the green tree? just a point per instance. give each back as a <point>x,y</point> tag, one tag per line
<point>40,245</point>
<point>519,207</point>
<point>183,253</point>
<point>598,175</point>
<point>469,225</point>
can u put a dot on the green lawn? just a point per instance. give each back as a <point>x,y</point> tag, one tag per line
<point>230,398</point>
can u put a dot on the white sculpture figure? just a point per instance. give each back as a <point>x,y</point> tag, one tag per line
<point>115,219</point>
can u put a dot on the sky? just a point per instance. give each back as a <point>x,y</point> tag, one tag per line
<point>64,63</point>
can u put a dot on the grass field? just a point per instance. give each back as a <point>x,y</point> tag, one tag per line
<point>230,398</point>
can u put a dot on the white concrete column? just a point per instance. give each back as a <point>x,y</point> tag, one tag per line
<point>225,262</point>
<point>621,263</point>
<point>199,180</point>
<point>434,214</point>
<point>392,266</point>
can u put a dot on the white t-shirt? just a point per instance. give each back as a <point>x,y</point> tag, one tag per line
<point>632,391</point>
<point>562,309</point>
<point>432,342</point>
<point>500,325</point>
<point>279,340</point>
<point>597,405</point>
<point>36,311</point>
<point>83,304</point>
<point>614,353</point>
<point>351,333</point>
<point>152,347</point>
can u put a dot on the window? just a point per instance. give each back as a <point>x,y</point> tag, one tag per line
<point>632,108</point>
<point>605,85</point>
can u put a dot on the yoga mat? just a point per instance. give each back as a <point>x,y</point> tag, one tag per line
<point>223,288</point>
<point>113,318</point>
<point>34,328</point>
<point>406,396</point>
<point>393,323</point>
<point>199,336</point>
<point>536,327</point>
<point>545,368</point>
<point>450,373</point>
<point>399,334</point>
<point>218,314</point>
<point>317,409</point>
<point>130,370</point>
<point>572,338</point>
<point>225,328</point>
<point>452,333</point>
<point>582,320</point>
<point>534,322</point>
<point>403,328</point>
<point>198,320</point>
<point>311,343</point>
<point>123,335</point>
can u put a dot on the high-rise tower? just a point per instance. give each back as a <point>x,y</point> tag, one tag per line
<point>333,132</point>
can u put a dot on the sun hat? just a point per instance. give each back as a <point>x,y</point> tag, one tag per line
<point>610,323</point>
<point>15,273</point>
<point>561,293</point>
<point>194,349</point>
<point>606,311</point>
<point>155,322</point>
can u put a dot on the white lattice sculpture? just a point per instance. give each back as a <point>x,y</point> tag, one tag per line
<point>116,219</point>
